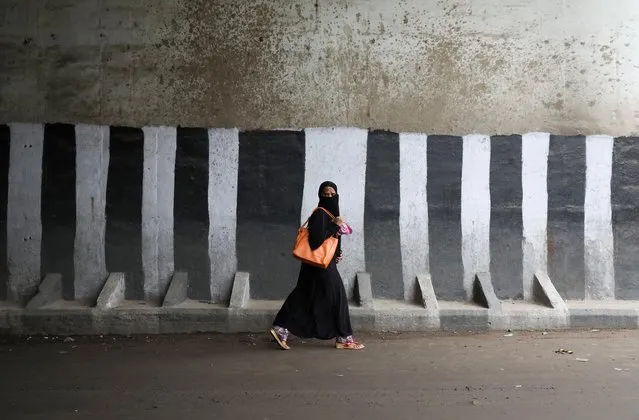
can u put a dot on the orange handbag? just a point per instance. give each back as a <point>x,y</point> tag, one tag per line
<point>320,257</point>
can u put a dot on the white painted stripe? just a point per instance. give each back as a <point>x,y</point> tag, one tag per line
<point>413,210</point>
<point>92,168</point>
<point>157,211</point>
<point>534,174</point>
<point>24,226</point>
<point>598,239</point>
<point>475,208</point>
<point>224,150</point>
<point>339,155</point>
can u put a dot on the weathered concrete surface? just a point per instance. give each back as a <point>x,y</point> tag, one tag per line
<point>383,252</point>
<point>506,224</point>
<point>49,291</point>
<point>565,226</point>
<point>223,164</point>
<point>92,166</point>
<point>534,206</point>
<point>545,293</point>
<point>482,292</point>
<point>475,209</point>
<point>58,204</point>
<point>625,212</point>
<point>598,234</point>
<point>413,211</point>
<point>450,66</point>
<point>364,290</point>
<point>24,222</point>
<point>178,289</point>
<point>241,292</point>
<point>265,207</point>
<point>443,189</point>
<point>138,317</point>
<point>346,166</point>
<point>113,291</point>
<point>191,211</point>
<point>158,188</point>
<point>483,377</point>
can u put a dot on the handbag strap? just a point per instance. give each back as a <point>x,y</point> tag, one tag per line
<point>321,208</point>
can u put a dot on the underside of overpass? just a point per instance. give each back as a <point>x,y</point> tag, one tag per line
<point>157,158</point>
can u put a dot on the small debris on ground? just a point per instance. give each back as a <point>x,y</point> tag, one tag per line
<point>563,351</point>
<point>69,340</point>
<point>508,335</point>
<point>581,360</point>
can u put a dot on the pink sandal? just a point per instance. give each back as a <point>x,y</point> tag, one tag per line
<point>349,345</point>
<point>281,340</point>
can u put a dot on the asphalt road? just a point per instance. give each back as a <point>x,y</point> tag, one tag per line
<point>397,376</point>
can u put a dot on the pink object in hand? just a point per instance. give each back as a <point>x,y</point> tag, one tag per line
<point>345,229</point>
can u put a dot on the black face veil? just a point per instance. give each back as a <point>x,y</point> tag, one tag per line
<point>329,203</point>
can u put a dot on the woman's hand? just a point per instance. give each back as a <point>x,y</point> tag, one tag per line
<point>339,258</point>
<point>338,221</point>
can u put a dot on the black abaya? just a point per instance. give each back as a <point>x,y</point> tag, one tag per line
<point>318,306</point>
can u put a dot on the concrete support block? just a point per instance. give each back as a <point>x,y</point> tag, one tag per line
<point>545,293</point>
<point>483,293</point>
<point>49,291</point>
<point>178,289</point>
<point>92,168</point>
<point>24,221</point>
<point>112,293</point>
<point>157,211</point>
<point>426,292</point>
<point>545,310</point>
<point>224,161</point>
<point>363,291</point>
<point>241,292</point>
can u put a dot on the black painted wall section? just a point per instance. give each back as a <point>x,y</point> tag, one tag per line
<point>625,215</point>
<point>191,212</point>
<point>58,204</point>
<point>5,138</point>
<point>124,208</point>
<point>566,193</point>
<point>381,215</point>
<point>444,214</point>
<point>506,226</point>
<point>270,188</point>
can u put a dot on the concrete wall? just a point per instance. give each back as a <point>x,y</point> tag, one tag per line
<point>84,201</point>
<point>451,67</point>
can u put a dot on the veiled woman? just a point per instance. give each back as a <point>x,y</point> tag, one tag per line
<point>318,306</point>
